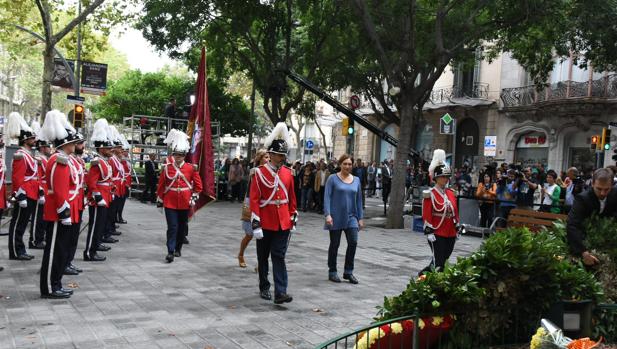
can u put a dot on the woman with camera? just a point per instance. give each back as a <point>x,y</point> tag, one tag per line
<point>486,192</point>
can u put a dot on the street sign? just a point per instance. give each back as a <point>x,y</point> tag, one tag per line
<point>354,102</point>
<point>93,78</point>
<point>309,144</point>
<point>446,125</point>
<point>490,145</point>
<point>75,99</point>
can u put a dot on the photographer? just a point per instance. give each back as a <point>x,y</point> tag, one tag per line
<point>506,193</point>
<point>525,186</point>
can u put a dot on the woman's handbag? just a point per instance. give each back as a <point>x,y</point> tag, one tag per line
<point>246,209</point>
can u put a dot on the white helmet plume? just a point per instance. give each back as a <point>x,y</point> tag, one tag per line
<point>178,141</point>
<point>99,131</point>
<point>439,159</point>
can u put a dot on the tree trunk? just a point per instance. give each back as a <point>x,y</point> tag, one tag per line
<point>48,74</point>
<point>323,139</point>
<point>397,192</point>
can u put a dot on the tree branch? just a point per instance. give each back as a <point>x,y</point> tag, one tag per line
<point>45,17</point>
<point>369,26</point>
<point>72,24</point>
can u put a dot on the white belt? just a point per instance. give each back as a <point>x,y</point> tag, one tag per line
<point>104,184</point>
<point>276,202</point>
<point>179,189</point>
<point>71,192</point>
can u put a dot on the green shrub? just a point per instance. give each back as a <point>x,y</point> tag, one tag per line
<point>500,290</point>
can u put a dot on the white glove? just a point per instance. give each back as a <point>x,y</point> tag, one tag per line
<point>41,200</point>
<point>258,233</point>
<point>431,238</point>
<point>102,203</point>
<point>66,221</point>
<point>23,203</point>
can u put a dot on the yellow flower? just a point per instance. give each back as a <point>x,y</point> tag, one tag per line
<point>538,338</point>
<point>373,335</point>
<point>421,324</point>
<point>437,320</point>
<point>396,328</point>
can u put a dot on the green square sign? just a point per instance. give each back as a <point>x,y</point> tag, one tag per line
<point>447,119</point>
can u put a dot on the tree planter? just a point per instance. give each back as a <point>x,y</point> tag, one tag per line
<point>400,334</point>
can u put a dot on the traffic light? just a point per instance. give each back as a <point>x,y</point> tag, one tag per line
<point>595,141</point>
<point>345,126</point>
<point>78,116</point>
<point>606,139</point>
<point>615,154</point>
<point>350,127</point>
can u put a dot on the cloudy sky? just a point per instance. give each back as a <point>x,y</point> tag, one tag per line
<point>140,54</point>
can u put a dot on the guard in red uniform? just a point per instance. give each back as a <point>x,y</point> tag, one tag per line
<point>26,187</point>
<point>119,186</point>
<point>3,202</point>
<point>37,228</point>
<point>127,180</point>
<point>99,184</point>
<point>60,204</point>
<point>273,207</point>
<point>440,213</point>
<point>80,166</point>
<point>178,190</point>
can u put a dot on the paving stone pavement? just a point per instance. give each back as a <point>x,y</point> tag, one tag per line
<point>203,299</point>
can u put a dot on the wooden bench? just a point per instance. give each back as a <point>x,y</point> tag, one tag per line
<point>533,220</point>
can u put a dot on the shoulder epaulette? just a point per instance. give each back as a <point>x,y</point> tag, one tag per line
<point>426,193</point>
<point>62,159</point>
<point>94,162</point>
<point>195,167</point>
<point>18,155</point>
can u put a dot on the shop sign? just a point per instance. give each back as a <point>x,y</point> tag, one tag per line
<point>535,140</point>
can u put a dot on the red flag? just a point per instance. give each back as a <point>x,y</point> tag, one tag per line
<point>201,136</point>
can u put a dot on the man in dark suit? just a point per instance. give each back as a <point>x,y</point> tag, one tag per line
<point>600,199</point>
<point>151,179</point>
<point>386,180</point>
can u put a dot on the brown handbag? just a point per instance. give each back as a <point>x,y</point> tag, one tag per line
<point>246,209</point>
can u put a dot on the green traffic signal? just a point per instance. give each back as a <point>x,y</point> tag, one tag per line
<point>607,146</point>
<point>350,131</point>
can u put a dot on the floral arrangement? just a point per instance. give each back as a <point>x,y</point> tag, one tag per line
<point>550,336</point>
<point>400,334</point>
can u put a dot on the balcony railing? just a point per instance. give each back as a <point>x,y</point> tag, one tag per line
<point>445,95</point>
<point>605,87</point>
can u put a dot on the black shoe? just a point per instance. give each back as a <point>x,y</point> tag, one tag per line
<point>265,294</point>
<point>116,226</point>
<point>103,248</point>
<point>75,268</point>
<point>177,254</point>
<point>109,240</point>
<point>352,279</point>
<point>169,258</point>
<point>116,233</point>
<point>334,278</point>
<point>185,241</point>
<point>36,245</point>
<point>122,221</point>
<point>56,294</point>
<point>70,271</point>
<point>29,256</point>
<point>95,258</point>
<point>282,298</point>
<point>23,257</point>
<point>67,291</point>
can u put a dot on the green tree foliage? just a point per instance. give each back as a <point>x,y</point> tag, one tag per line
<point>138,93</point>
<point>259,37</point>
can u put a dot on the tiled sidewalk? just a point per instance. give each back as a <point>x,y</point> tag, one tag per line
<point>203,299</point>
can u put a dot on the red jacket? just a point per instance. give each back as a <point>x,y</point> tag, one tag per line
<point>62,188</point>
<point>2,186</point>
<point>128,179</point>
<point>25,175</point>
<point>175,188</point>
<point>117,176</point>
<point>42,165</point>
<point>80,165</point>
<point>433,212</point>
<point>274,213</point>
<point>98,180</point>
